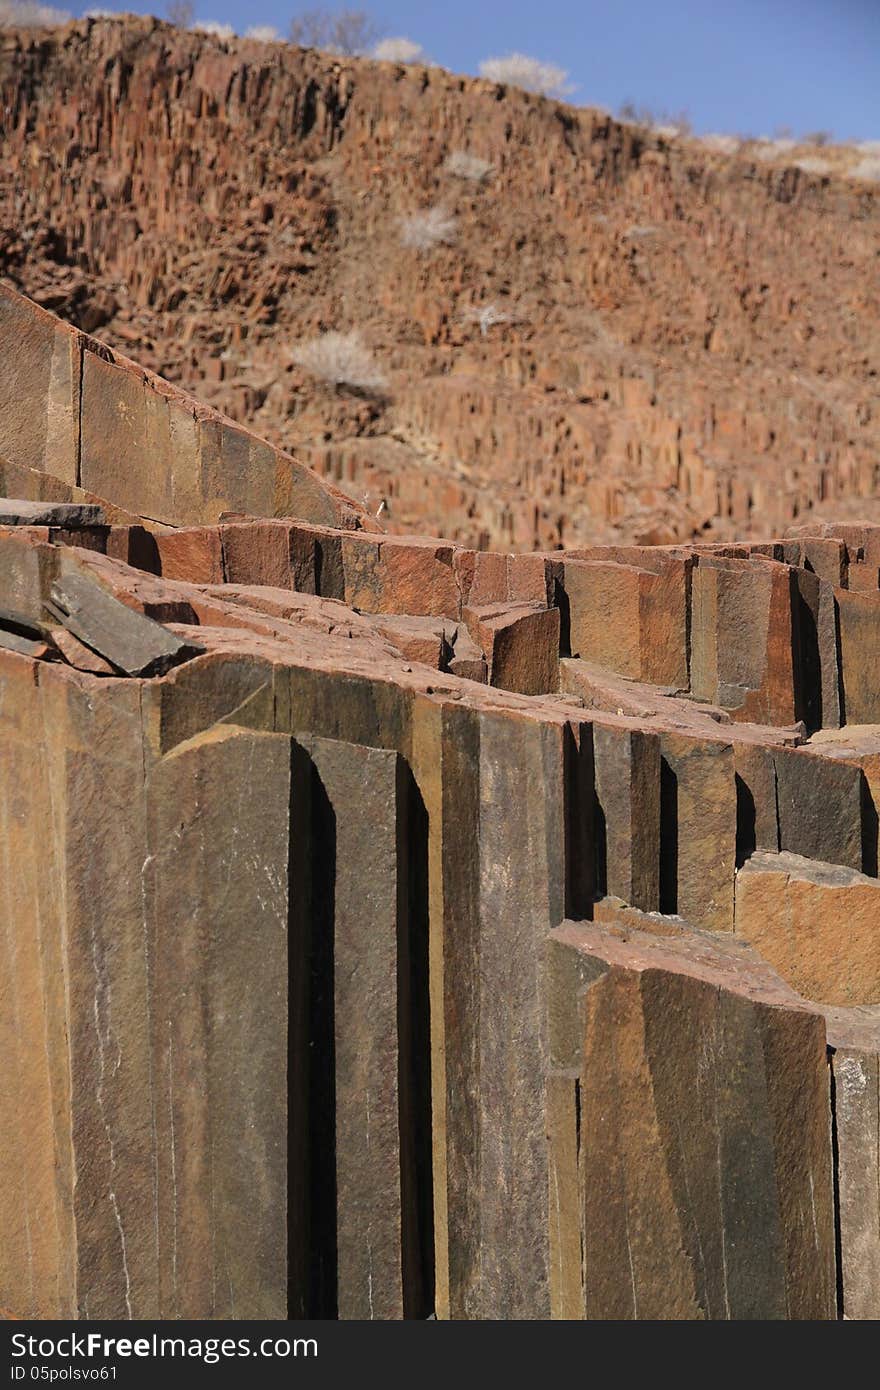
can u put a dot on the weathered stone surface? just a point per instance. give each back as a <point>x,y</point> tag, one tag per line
<point>428,640</point>
<point>256,553</point>
<point>194,553</point>
<point>757,812</point>
<point>37,1251</point>
<point>43,377</point>
<point>357,816</point>
<point>218,889</point>
<point>28,566</point>
<point>705,1171</point>
<point>130,642</point>
<point>279,661</point>
<point>520,644</point>
<point>697,830</point>
<point>821,807</point>
<point>467,659</point>
<point>414,576</point>
<point>817,924</point>
<point>854,1046</point>
<point>25,646</point>
<point>17,512</point>
<point>632,620</point>
<point>743,640</point>
<point>77,654</point>
<point>859,656</point>
<point>85,414</point>
<point>628,783</point>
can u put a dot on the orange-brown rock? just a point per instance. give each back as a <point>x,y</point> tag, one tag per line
<point>366,951</point>
<point>520,643</point>
<point>702,1096</point>
<point>676,342</point>
<point>815,923</point>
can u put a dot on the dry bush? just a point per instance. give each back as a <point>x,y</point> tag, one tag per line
<point>867,169</point>
<point>351,33</point>
<point>181,12</point>
<point>772,149</point>
<point>263,33</point>
<point>214,28</point>
<point>341,359</point>
<point>518,70</point>
<point>467,166</point>
<point>722,144</point>
<point>810,165</point>
<point>399,50</point>
<point>424,230</point>
<point>486,316</point>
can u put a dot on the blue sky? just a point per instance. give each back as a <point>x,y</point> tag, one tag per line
<point>744,66</point>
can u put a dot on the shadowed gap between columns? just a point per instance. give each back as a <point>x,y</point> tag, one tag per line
<point>312,1253</point>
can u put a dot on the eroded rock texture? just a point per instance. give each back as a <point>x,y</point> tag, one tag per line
<point>628,337</point>
<point>392,928</point>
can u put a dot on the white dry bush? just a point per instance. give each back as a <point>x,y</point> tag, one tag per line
<point>399,50</point>
<point>773,149</point>
<point>214,28</point>
<point>486,316</point>
<point>263,33</point>
<point>722,144</point>
<point>422,231</point>
<point>666,132</point>
<point>467,166</point>
<point>341,359</point>
<point>867,169</point>
<point>101,14</point>
<point>518,70</point>
<point>22,14</point>
<point>810,165</point>
<point>868,146</point>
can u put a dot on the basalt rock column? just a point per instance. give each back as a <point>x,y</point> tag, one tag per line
<point>704,1160</point>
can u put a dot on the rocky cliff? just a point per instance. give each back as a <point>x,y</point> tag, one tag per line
<point>623,336</point>
<point>394,929</point>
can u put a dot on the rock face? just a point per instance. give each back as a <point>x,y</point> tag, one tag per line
<point>389,928</point>
<point>631,337</point>
<point>701,1105</point>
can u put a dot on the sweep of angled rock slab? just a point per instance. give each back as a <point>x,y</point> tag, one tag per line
<point>27,646</point>
<point>77,654</point>
<point>131,642</point>
<point>71,515</point>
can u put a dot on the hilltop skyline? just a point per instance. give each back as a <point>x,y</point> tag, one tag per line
<point>794,66</point>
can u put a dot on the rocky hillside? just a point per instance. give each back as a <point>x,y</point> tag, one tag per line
<point>607,332</point>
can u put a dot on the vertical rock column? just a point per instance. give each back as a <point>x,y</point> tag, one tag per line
<point>217,922</point>
<point>507,822</point>
<point>854,1038</point>
<point>702,1136</point>
<point>360,921</point>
